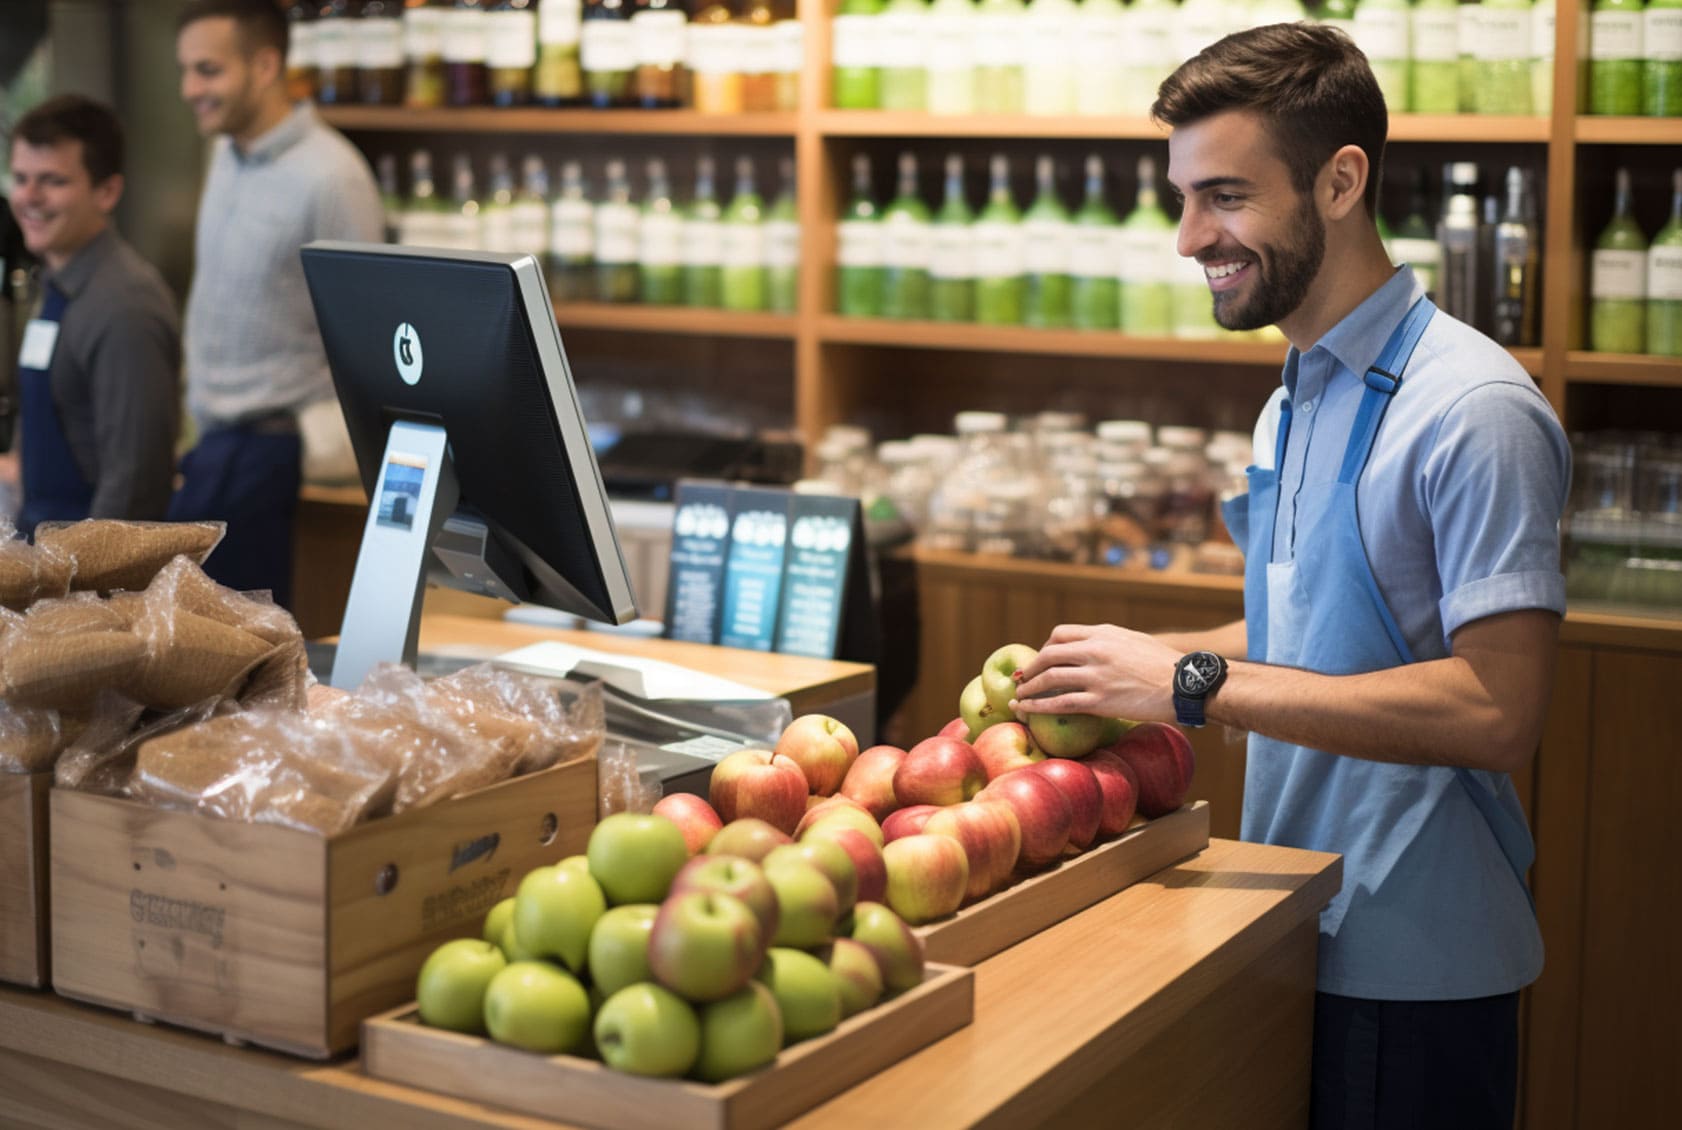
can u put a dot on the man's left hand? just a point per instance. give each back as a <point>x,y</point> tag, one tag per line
<point>1100,669</point>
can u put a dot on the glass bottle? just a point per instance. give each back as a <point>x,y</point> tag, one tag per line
<point>703,240</point>
<point>529,215</point>
<point>301,73</point>
<point>1618,280</point>
<point>1046,249</point>
<point>1146,242</point>
<point>999,55</point>
<point>1664,280</point>
<point>789,48</point>
<point>379,53</point>
<point>1101,41</point>
<point>1380,30</point>
<point>572,238</point>
<point>1615,55</point>
<point>1048,79</point>
<point>660,241</point>
<point>391,198</point>
<point>782,244</point>
<point>1468,29</point>
<point>660,29</point>
<point>607,52</point>
<point>743,277</point>
<point>1506,31</point>
<point>1094,288</point>
<point>757,38</point>
<point>1517,264</point>
<point>952,252</point>
<point>1661,44</point>
<point>510,51</point>
<point>423,213</point>
<point>464,54</point>
<point>950,59</point>
<point>996,236</point>
<point>1457,235</point>
<point>559,80</point>
<point>1434,73</point>
<point>423,55</point>
<point>462,220</point>
<point>1198,24</point>
<point>1336,13</point>
<point>616,241</point>
<point>858,255</point>
<point>854,53</point>
<point>715,59</point>
<point>906,242</point>
<point>1415,242</point>
<point>902,79</point>
<point>1149,55</point>
<point>335,53</point>
<point>1543,17</point>
<point>496,212</point>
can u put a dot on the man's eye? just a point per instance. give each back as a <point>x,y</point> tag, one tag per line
<point>1227,199</point>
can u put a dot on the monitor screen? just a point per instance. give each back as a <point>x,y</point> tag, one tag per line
<point>467,342</point>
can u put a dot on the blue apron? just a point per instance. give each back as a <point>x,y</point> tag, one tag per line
<point>54,488</point>
<point>1434,904</point>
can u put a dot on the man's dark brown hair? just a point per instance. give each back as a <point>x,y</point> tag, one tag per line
<point>260,22</point>
<point>1310,83</point>
<point>75,117</point>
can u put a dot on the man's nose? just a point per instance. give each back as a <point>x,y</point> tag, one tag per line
<point>1195,233</point>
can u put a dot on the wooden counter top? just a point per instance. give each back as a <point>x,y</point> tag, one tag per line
<point>1193,988</point>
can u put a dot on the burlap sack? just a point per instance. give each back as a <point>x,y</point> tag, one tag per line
<point>111,555</point>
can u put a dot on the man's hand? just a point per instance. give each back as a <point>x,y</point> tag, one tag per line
<point>1100,669</point>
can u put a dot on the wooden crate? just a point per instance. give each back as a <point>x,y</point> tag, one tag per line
<point>997,922</point>
<point>396,1047</point>
<point>280,937</point>
<point>23,878</point>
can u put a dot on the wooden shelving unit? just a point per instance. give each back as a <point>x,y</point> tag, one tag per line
<point>1584,367</point>
<point>970,338</point>
<point>1628,131</point>
<point>535,119</point>
<point>684,320</point>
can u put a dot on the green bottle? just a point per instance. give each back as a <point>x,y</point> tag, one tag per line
<point>660,241</point>
<point>782,244</point>
<point>1618,280</point>
<point>999,56</point>
<point>1048,70</point>
<point>902,80</point>
<point>744,244</point>
<point>1664,280</point>
<point>858,254</point>
<point>952,252</point>
<point>1615,57</point>
<point>1434,74</point>
<point>906,242</point>
<point>1095,288</point>
<point>529,216</point>
<point>1415,239</point>
<point>1147,238</point>
<point>1150,52</point>
<point>703,241</point>
<point>572,239</point>
<point>1506,31</point>
<point>950,57</point>
<point>1661,43</point>
<point>855,54</point>
<point>1101,41</point>
<point>496,216</point>
<point>1336,13</point>
<point>1046,247</point>
<point>1380,30</point>
<point>1543,18</point>
<point>617,221</point>
<point>996,236</point>
<point>1469,18</point>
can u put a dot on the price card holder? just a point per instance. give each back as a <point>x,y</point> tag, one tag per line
<point>753,570</point>
<point>700,546</point>
<point>826,607</point>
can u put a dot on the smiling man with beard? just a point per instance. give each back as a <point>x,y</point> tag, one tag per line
<point>1402,592</point>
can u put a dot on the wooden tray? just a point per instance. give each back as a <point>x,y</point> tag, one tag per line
<point>982,929</point>
<point>397,1048</point>
<point>23,878</point>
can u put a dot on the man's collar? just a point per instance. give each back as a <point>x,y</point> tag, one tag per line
<point>74,276</point>
<point>1357,340</point>
<point>278,140</point>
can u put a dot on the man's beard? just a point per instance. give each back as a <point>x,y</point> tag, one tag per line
<point>1281,279</point>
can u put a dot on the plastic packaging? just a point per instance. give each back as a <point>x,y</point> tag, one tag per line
<point>30,572</point>
<point>619,785</point>
<point>110,555</point>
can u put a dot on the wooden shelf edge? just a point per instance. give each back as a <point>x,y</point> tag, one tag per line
<point>537,119</point>
<point>1487,128</point>
<point>1628,131</point>
<point>684,320</point>
<point>834,329</point>
<point>1403,127</point>
<point>1585,367</point>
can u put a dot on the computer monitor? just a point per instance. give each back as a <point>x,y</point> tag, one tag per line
<point>469,439</point>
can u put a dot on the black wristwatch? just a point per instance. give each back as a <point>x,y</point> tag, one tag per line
<point>1196,677</point>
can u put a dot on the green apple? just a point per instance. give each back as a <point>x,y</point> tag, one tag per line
<point>976,711</point>
<point>537,1006</point>
<point>807,903</point>
<point>1114,730</point>
<point>511,947</point>
<point>618,954</point>
<point>897,950</point>
<point>577,862</point>
<point>555,908</point>
<point>808,993</point>
<point>830,858</point>
<point>452,983</point>
<point>856,972</point>
<point>731,875</point>
<point>497,920</point>
<point>647,1030</point>
<point>1066,735</point>
<point>705,946</point>
<point>634,856</point>
<point>998,674</point>
<point>741,1033</point>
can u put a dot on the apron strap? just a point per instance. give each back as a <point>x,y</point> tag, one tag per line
<point>1383,380</point>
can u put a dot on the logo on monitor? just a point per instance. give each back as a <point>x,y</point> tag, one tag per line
<point>406,351</point>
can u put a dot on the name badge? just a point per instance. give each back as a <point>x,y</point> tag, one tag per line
<point>38,341</point>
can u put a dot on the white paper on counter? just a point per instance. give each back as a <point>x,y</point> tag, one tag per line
<point>645,678</point>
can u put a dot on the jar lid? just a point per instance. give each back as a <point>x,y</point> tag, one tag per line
<point>851,436</point>
<point>1184,439</point>
<point>1124,431</point>
<point>973,423</point>
<point>898,451</point>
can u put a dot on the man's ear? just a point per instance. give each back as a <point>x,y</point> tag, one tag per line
<point>266,67</point>
<point>108,192</point>
<point>1343,182</point>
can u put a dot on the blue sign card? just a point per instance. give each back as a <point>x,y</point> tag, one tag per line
<point>695,578</point>
<point>823,540</point>
<point>753,571</point>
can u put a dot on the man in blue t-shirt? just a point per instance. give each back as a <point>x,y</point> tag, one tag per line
<point>1402,590</point>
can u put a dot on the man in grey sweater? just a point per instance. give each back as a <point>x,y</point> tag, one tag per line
<point>279,178</point>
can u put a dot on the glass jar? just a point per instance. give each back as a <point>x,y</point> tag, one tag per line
<point>959,510</point>
<point>1129,500</point>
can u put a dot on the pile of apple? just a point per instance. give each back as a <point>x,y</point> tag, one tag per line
<point>678,945</point>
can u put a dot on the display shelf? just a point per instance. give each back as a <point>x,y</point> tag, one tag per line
<point>1629,131</point>
<point>1403,127</point>
<point>673,320</point>
<point>1585,367</point>
<point>537,119</point>
<point>969,337</point>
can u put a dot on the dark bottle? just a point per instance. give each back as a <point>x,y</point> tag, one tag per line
<point>335,53</point>
<point>510,50</point>
<point>379,53</point>
<point>558,81</point>
<point>424,27</point>
<point>300,51</point>
<point>464,54</point>
<point>1517,263</point>
<point>1457,235</point>
<point>608,52</point>
<point>660,29</point>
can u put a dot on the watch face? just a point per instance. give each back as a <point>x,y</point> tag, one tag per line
<point>1198,673</point>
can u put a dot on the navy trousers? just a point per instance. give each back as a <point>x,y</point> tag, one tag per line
<point>248,478</point>
<point>1414,1065</point>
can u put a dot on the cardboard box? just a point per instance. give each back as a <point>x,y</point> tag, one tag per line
<point>23,878</point>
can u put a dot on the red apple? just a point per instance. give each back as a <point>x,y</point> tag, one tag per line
<point>1040,808</point>
<point>927,877</point>
<point>939,771</point>
<point>731,875</point>
<point>866,856</point>
<point>694,816</point>
<point>957,728</point>
<point>1120,786</point>
<point>907,822</point>
<point>759,783</point>
<point>843,812</point>
<point>1161,756</point>
<point>991,838</point>
<point>747,838</point>
<point>1080,788</point>
<point>1005,747</point>
<point>870,781</point>
<point>822,747</point>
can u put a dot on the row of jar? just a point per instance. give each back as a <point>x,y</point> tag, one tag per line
<point>1624,532</point>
